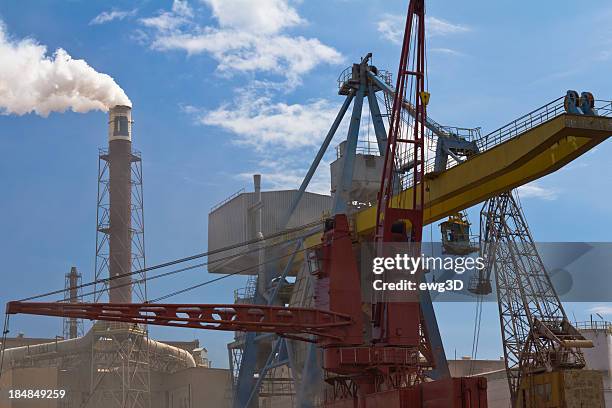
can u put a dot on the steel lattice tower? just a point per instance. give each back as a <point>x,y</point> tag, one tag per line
<point>120,366</point>
<point>534,327</point>
<point>72,327</point>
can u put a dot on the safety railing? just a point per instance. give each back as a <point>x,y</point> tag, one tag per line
<point>532,119</point>
<point>535,118</point>
<point>227,200</point>
<point>515,128</point>
<point>365,147</point>
<point>386,76</point>
<point>598,325</point>
<point>368,147</point>
<point>469,134</point>
<point>604,108</point>
<point>345,76</point>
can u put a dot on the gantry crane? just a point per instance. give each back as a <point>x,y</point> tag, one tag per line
<point>388,368</point>
<point>541,347</point>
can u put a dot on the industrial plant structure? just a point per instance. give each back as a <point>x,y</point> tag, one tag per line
<point>113,364</point>
<point>306,331</point>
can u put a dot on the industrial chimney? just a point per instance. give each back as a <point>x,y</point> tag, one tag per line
<point>120,199</point>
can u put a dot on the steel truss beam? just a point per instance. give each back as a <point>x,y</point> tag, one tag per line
<point>135,359</point>
<point>230,317</point>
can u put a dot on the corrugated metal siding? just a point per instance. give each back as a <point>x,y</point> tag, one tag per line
<point>233,223</point>
<point>226,225</point>
<point>276,203</point>
<point>312,207</point>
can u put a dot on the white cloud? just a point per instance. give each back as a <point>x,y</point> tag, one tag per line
<point>285,174</point>
<point>534,190</point>
<point>249,37</point>
<point>108,16</point>
<point>601,309</point>
<point>437,26</point>
<point>245,52</point>
<point>447,51</point>
<point>182,8</point>
<point>269,16</point>
<point>259,122</point>
<point>392,27</point>
<point>167,21</point>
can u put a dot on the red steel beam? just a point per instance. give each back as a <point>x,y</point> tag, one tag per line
<point>232,317</point>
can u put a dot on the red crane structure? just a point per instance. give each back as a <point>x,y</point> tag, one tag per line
<point>383,362</point>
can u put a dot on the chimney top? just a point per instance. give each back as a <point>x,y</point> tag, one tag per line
<point>120,123</point>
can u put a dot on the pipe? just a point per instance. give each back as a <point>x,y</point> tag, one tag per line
<point>158,349</point>
<point>262,279</point>
<point>47,350</point>
<point>60,348</point>
<point>258,206</point>
<point>577,343</point>
<point>120,200</point>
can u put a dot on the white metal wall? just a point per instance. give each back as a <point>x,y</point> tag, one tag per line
<point>233,222</point>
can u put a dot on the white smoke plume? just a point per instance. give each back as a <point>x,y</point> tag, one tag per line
<point>33,81</point>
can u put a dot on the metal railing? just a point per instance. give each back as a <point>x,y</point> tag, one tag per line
<point>227,200</point>
<point>604,108</point>
<point>517,127</point>
<point>526,122</point>
<point>535,118</point>
<point>368,148</point>
<point>386,76</point>
<point>365,147</point>
<point>469,134</point>
<point>594,325</point>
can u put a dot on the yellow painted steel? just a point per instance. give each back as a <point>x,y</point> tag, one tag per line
<point>517,161</point>
<point>561,388</point>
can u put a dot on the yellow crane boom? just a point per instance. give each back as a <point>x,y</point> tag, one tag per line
<point>516,161</point>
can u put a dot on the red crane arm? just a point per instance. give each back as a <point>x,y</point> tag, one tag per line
<point>233,317</point>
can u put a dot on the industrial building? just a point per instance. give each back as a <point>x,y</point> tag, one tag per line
<point>113,364</point>
<point>181,376</point>
<point>307,333</point>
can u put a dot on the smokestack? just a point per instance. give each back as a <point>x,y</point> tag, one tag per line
<point>120,198</point>
<point>73,279</point>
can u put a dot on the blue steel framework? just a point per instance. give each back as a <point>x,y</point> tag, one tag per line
<point>355,83</point>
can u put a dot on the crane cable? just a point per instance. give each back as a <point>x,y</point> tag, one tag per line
<point>477,322</point>
<point>181,260</point>
<point>5,329</point>
<point>224,276</point>
<point>187,268</point>
<point>476,332</point>
<point>193,267</point>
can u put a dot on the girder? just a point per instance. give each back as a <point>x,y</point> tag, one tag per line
<point>231,317</point>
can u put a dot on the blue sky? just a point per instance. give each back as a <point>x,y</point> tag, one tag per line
<point>223,89</point>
